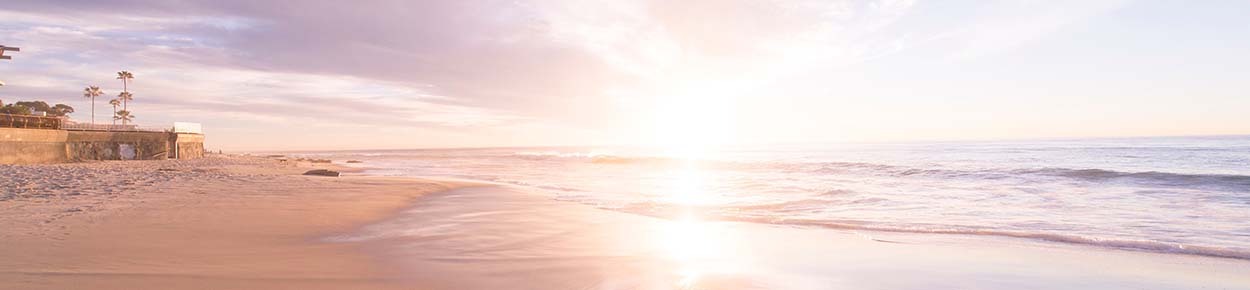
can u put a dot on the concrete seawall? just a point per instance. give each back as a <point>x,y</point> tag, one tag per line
<point>86,145</point>
<point>32,146</point>
<point>36,146</point>
<point>188,146</point>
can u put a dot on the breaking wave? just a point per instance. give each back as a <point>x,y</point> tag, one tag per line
<point>1212,181</point>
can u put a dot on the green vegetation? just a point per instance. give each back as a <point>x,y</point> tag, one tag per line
<point>61,110</point>
<point>29,107</point>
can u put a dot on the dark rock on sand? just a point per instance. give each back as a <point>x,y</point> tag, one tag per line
<point>322,172</point>
<point>355,161</point>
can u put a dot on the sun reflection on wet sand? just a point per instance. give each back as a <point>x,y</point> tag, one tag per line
<point>697,248</point>
<point>690,245</point>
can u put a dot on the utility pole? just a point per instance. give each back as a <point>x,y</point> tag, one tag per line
<point>7,48</point>
<point>2,56</point>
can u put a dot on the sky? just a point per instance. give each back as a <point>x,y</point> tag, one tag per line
<point>308,75</point>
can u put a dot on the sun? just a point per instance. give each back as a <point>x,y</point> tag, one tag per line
<point>694,123</point>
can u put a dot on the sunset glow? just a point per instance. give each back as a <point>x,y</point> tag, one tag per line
<point>624,144</point>
<point>684,75</point>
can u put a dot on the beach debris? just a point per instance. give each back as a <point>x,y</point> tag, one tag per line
<point>355,161</point>
<point>322,172</point>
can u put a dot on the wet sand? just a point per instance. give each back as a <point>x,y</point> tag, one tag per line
<point>203,224</point>
<point>503,236</point>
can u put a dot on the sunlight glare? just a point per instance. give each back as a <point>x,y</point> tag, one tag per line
<point>694,246</point>
<point>689,187</point>
<point>691,124</point>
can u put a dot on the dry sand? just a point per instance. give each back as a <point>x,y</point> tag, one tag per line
<point>213,223</point>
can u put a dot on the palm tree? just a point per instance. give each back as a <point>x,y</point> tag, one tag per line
<point>115,103</point>
<point>124,115</point>
<point>125,97</point>
<point>125,76</point>
<point>92,92</point>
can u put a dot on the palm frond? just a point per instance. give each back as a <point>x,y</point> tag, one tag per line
<point>92,91</point>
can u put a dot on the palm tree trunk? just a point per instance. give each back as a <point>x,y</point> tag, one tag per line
<point>125,102</point>
<point>92,110</point>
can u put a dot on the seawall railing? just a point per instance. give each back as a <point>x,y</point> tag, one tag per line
<point>30,122</point>
<point>60,123</point>
<point>110,128</point>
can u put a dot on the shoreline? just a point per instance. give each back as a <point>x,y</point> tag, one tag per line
<point>501,236</point>
<point>1140,246</point>
<point>221,223</point>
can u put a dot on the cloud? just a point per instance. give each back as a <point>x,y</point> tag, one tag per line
<point>476,65</point>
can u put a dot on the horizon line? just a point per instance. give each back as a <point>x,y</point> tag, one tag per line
<point>757,144</point>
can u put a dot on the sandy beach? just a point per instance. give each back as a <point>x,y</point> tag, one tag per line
<point>214,223</point>
<point>256,223</point>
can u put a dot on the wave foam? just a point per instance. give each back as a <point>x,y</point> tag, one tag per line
<point>1210,181</point>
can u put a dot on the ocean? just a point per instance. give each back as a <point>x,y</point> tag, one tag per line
<point>1182,195</point>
